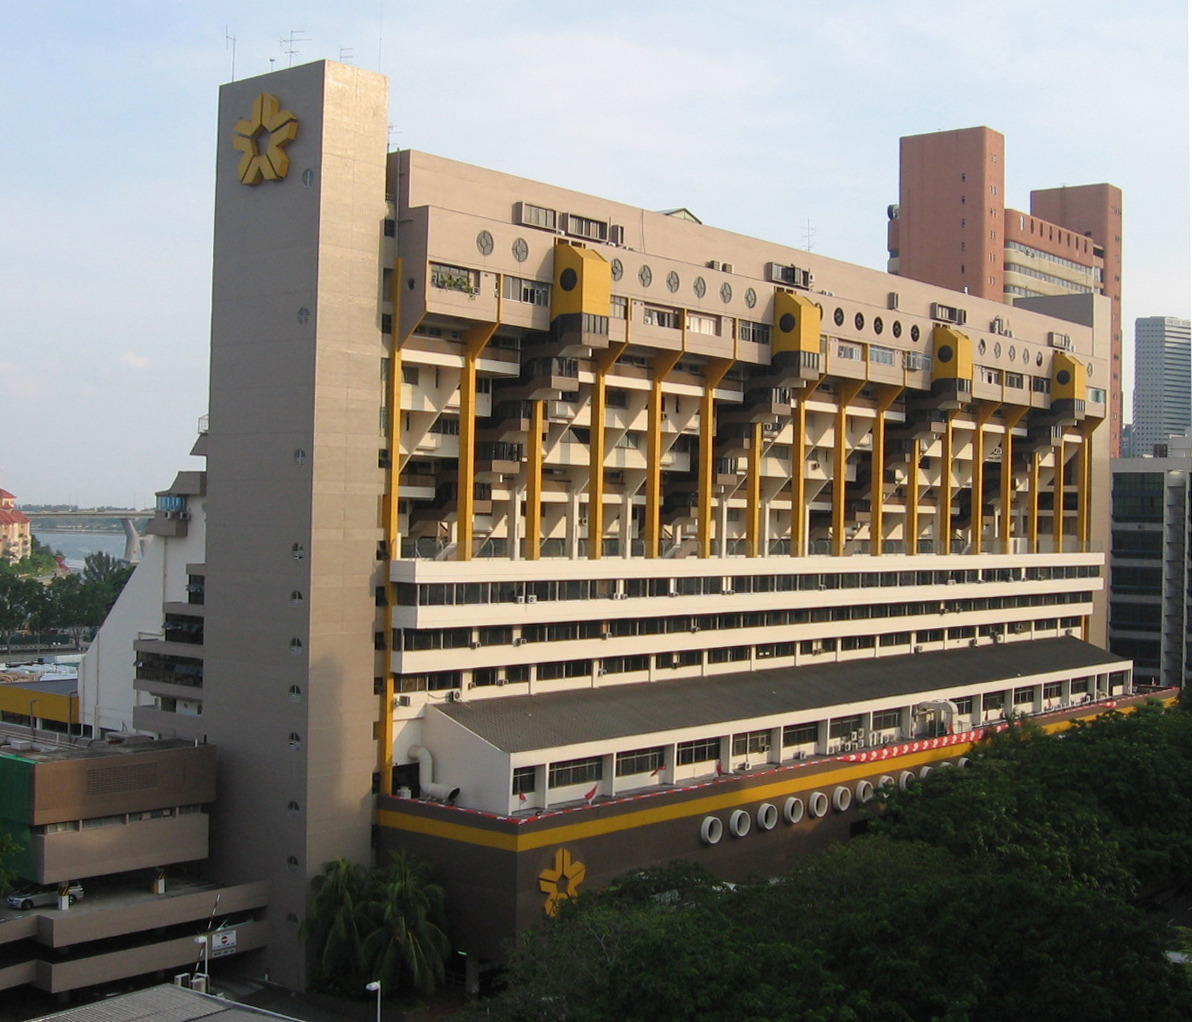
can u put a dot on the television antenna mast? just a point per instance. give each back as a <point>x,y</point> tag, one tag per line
<point>288,44</point>
<point>230,44</point>
<point>346,56</point>
<point>808,235</point>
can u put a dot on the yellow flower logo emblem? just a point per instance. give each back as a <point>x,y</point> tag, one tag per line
<point>561,881</point>
<point>262,139</point>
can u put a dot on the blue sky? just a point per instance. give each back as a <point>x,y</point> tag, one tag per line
<point>779,120</point>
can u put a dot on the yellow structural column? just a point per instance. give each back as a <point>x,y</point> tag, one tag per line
<point>753,492</point>
<point>847,390</point>
<point>1057,489</point>
<point>1084,476</point>
<point>912,499</point>
<point>799,472</point>
<point>984,413</point>
<point>534,482</point>
<point>1011,418</point>
<point>391,523</point>
<point>877,461</point>
<point>661,365</point>
<point>1032,507</point>
<point>601,363</point>
<point>475,340</point>
<point>943,525</point>
<point>713,373</point>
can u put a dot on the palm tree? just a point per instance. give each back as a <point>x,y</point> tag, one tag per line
<point>407,940</point>
<point>332,925</point>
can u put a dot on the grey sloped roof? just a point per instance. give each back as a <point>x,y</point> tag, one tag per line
<point>162,1004</point>
<point>526,723</point>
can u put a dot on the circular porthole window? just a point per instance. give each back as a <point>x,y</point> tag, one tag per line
<point>700,287</point>
<point>618,269</point>
<point>295,693</point>
<point>292,808</point>
<point>1089,368</point>
<point>308,178</point>
<point>726,292</point>
<point>672,282</point>
<point>484,243</point>
<point>645,276</point>
<point>981,346</point>
<point>859,321</point>
<point>786,322</point>
<point>750,297</point>
<point>520,250</point>
<point>838,317</point>
<point>304,315</point>
<point>1013,353</point>
<point>896,329</point>
<point>1063,377</point>
<point>568,279</point>
<point>878,325</point>
<point>1038,358</point>
<point>944,354</point>
<point>915,332</point>
<point>997,349</point>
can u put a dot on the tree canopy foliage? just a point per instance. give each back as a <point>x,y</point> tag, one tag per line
<point>387,923</point>
<point>1008,891</point>
<point>76,602</point>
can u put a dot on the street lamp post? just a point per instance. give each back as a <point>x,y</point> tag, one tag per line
<point>375,987</point>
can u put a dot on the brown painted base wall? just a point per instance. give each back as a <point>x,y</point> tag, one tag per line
<point>491,867</point>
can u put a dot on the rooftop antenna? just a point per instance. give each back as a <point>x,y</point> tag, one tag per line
<point>270,63</point>
<point>346,56</point>
<point>288,47</point>
<point>392,131</point>
<point>230,44</point>
<point>808,236</point>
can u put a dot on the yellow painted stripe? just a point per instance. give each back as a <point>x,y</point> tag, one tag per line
<point>659,814</point>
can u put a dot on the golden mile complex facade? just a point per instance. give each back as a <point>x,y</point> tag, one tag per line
<point>589,537</point>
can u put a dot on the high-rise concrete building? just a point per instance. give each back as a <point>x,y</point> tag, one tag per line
<point>1150,577</point>
<point>552,537</point>
<point>1162,382</point>
<point>952,227</point>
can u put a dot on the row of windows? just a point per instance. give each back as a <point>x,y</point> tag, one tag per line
<point>440,594</point>
<point>1028,271</point>
<point>759,742</point>
<point>414,639</point>
<point>1037,253</point>
<point>436,681</point>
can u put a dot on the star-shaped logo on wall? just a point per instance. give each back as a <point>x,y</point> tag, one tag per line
<point>561,881</point>
<point>262,139</point>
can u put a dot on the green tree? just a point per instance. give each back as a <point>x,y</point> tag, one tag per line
<point>331,928</point>
<point>407,944</point>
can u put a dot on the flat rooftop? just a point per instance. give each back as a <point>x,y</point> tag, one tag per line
<point>47,747</point>
<point>527,723</point>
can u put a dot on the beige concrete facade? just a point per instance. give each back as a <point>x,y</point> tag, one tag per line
<point>475,437</point>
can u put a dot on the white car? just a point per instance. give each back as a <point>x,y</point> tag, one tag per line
<point>27,895</point>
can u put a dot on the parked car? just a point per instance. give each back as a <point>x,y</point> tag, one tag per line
<point>28,895</point>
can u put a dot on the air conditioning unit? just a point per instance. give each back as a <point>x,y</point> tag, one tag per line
<point>502,680</point>
<point>531,598</point>
<point>521,599</point>
<point>184,516</point>
<point>616,234</point>
<point>518,641</point>
<point>918,649</point>
<point>453,696</point>
<point>726,267</point>
<point>892,300</point>
<point>1058,340</point>
<point>403,700</point>
<point>948,313</point>
<point>712,264</point>
<point>167,514</point>
<point>972,642</point>
<point>473,644</point>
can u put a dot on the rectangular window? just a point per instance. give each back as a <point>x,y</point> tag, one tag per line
<point>850,352</point>
<point>964,705</point>
<point>750,742</point>
<point>881,356</point>
<point>409,374</point>
<point>618,308</point>
<point>576,771</point>
<point>993,700</point>
<point>844,727</point>
<point>454,278</point>
<point>697,324</point>
<point>1014,380</point>
<point>702,750</point>
<point>523,780</point>
<point>1025,695</point>
<point>1053,691</point>
<point>1040,385</point>
<point>537,216</point>
<point>530,292</point>
<point>884,720</point>
<point>800,734</point>
<point>653,315</point>
<point>758,333</point>
<point>583,227</point>
<point>916,360</point>
<point>639,761</point>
